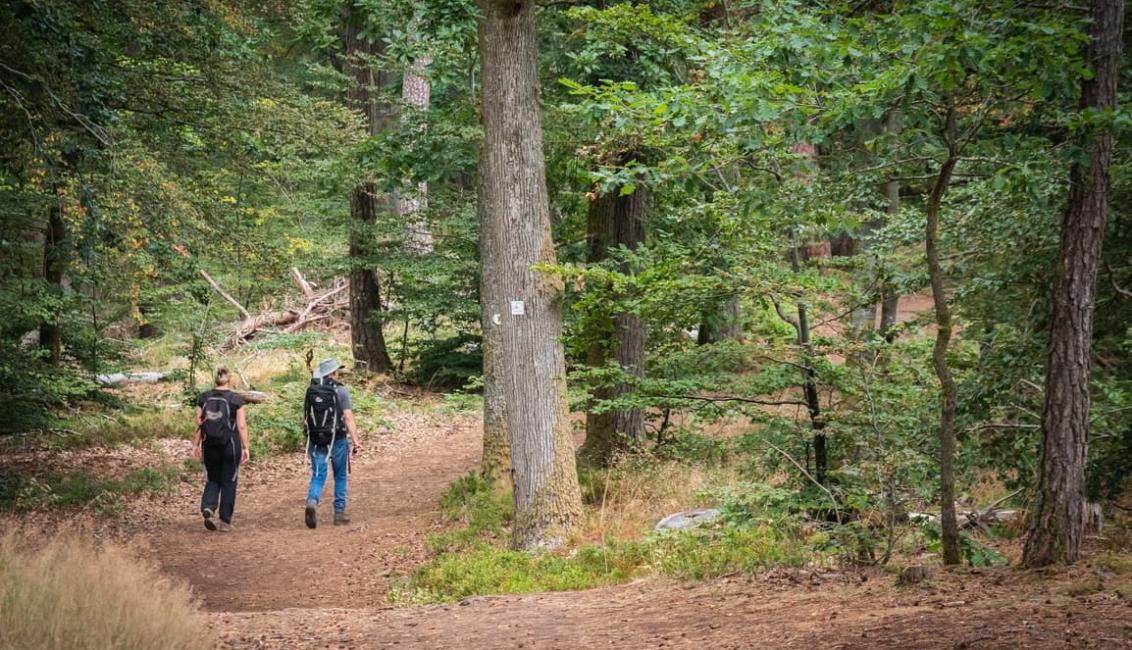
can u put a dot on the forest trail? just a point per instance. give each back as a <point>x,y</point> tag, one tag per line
<point>275,584</point>
<point>273,561</point>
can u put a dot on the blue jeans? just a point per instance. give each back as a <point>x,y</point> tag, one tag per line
<point>339,458</point>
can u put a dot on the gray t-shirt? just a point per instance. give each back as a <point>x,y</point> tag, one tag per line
<point>344,402</point>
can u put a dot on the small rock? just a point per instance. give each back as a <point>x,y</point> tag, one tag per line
<point>688,519</point>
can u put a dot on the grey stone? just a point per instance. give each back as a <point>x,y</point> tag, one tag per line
<point>688,519</point>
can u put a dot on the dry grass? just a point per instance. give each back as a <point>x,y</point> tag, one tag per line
<point>627,501</point>
<point>61,593</point>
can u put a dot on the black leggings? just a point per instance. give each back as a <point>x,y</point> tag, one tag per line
<point>222,464</point>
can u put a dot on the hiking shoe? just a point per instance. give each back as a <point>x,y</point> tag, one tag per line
<point>225,527</point>
<point>311,515</point>
<point>208,522</point>
<point>341,519</point>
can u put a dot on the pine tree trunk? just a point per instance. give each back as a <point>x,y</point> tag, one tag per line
<point>366,335</point>
<point>522,305</point>
<point>1058,515</point>
<point>55,257</point>
<point>948,390</point>
<point>615,221</point>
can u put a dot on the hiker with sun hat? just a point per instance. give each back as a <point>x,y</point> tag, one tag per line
<point>328,420</point>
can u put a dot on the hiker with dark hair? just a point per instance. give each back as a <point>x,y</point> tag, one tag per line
<point>220,417</point>
<point>328,420</point>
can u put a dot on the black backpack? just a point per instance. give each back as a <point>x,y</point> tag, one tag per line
<point>216,421</point>
<point>321,416</point>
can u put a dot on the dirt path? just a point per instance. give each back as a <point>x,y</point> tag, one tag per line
<point>275,584</point>
<point>272,561</point>
<point>718,616</point>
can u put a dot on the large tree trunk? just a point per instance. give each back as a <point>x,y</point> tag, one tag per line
<point>939,351</point>
<point>1058,513</point>
<point>55,258</point>
<point>416,92</point>
<point>522,305</point>
<point>366,336</point>
<point>495,464</point>
<point>614,221</point>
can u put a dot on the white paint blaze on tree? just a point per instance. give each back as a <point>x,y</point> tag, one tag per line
<point>523,307</point>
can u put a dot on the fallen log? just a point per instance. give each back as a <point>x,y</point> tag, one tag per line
<point>304,286</point>
<point>224,294</point>
<point>252,396</point>
<point>318,307</point>
<point>117,378</point>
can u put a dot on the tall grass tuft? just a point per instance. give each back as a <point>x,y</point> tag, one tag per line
<point>61,593</point>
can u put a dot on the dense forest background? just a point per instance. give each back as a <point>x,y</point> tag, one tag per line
<point>742,195</point>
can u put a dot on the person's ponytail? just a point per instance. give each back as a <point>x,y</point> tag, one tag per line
<point>222,376</point>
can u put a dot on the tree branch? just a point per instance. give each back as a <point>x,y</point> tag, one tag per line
<point>728,398</point>
<point>235,303</point>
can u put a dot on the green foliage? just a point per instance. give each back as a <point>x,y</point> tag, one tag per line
<point>450,363</point>
<point>479,508</point>
<point>22,493</point>
<point>495,571</point>
<point>974,553</point>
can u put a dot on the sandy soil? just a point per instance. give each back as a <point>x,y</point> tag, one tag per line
<point>272,583</point>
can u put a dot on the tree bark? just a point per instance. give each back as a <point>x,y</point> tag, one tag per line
<point>366,336</point>
<point>801,326</point>
<point>495,463</point>
<point>614,221</point>
<point>416,91</point>
<point>948,391</point>
<point>55,257</point>
<point>723,323</point>
<point>522,305</point>
<point>1058,514</point>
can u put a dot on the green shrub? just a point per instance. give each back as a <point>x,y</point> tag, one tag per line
<point>974,552</point>
<point>489,570</point>
<point>450,363</point>
<point>483,512</point>
<point>77,490</point>
<point>701,553</point>
<point>684,445</point>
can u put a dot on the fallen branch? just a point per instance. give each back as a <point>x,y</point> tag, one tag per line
<point>304,286</point>
<point>319,307</point>
<point>117,378</point>
<point>744,400</point>
<point>224,294</point>
<point>252,396</point>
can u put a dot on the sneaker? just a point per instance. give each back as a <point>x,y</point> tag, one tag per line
<point>341,519</point>
<point>225,527</point>
<point>311,513</point>
<point>208,522</point>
